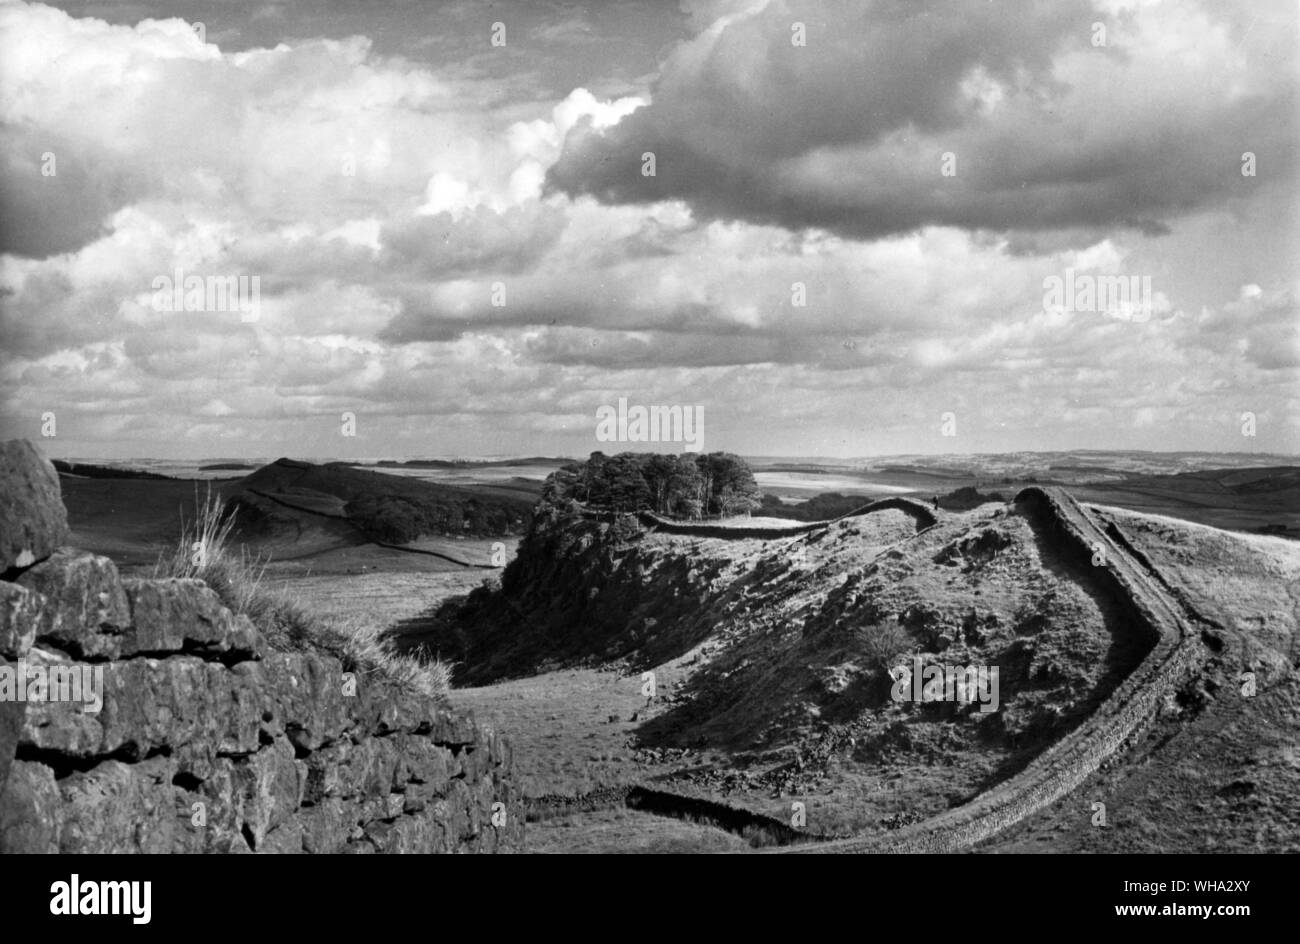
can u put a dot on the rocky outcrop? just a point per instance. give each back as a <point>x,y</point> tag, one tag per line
<point>33,521</point>
<point>590,587</point>
<point>144,716</point>
<point>578,591</point>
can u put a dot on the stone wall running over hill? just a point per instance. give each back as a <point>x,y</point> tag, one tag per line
<point>1177,653</point>
<point>206,740</point>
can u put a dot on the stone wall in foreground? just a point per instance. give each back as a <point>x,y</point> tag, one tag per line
<point>207,740</point>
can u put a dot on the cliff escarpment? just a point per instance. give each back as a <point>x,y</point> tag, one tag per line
<point>593,587</point>
<point>579,591</point>
<point>142,715</point>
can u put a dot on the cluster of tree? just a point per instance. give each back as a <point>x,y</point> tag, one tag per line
<point>687,485</point>
<point>396,519</point>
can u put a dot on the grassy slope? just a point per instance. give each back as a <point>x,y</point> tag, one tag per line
<point>132,521</point>
<point>135,520</point>
<point>1219,771</point>
<point>1232,499</point>
<point>348,483</point>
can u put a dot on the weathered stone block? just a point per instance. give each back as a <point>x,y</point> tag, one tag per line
<point>421,763</point>
<point>85,611</point>
<point>117,807</point>
<point>30,810</point>
<point>20,612</point>
<point>33,521</point>
<point>267,782</point>
<point>153,703</point>
<point>184,615</point>
<point>285,839</point>
<point>303,694</point>
<point>325,826</point>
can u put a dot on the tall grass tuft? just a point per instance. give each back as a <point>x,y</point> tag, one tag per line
<point>206,552</point>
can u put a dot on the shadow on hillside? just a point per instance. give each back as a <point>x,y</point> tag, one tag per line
<point>1123,654</point>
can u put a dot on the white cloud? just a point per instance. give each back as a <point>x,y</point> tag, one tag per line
<point>376,282</point>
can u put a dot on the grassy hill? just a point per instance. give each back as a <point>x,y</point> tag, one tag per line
<point>386,508</point>
<point>1261,500</point>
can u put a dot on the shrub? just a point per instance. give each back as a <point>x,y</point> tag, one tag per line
<point>883,644</point>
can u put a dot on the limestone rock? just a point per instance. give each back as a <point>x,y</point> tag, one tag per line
<point>120,807</point>
<point>33,521</point>
<point>30,811</point>
<point>85,611</point>
<point>20,612</point>
<point>186,615</point>
<point>150,704</point>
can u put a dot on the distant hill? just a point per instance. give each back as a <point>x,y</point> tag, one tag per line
<point>1264,499</point>
<point>386,508</point>
<point>86,470</point>
<point>818,508</point>
<point>470,463</point>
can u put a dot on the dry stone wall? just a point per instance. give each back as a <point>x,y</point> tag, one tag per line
<point>166,724</point>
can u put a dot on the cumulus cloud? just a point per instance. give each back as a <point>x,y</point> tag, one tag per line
<point>471,267</point>
<point>1038,128</point>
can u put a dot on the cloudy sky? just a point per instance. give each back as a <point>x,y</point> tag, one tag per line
<point>382,167</point>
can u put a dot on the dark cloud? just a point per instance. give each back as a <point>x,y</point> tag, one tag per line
<point>45,213</point>
<point>848,133</point>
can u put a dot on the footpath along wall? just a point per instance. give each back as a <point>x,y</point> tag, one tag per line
<point>206,739</point>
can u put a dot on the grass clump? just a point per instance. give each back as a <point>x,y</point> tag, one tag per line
<point>206,552</point>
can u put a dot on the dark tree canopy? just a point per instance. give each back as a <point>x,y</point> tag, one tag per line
<point>686,485</point>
